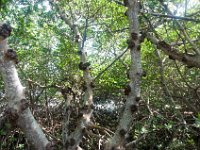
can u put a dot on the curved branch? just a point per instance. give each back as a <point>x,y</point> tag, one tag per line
<point>18,110</point>
<point>187,59</point>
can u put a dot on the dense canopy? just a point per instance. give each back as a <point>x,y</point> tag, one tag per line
<point>100,74</point>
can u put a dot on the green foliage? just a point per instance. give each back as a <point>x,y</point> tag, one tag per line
<point>48,56</point>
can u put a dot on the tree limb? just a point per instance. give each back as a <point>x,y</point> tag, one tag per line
<point>74,139</point>
<point>196,49</point>
<point>18,110</point>
<point>187,59</point>
<point>173,17</point>
<point>117,58</point>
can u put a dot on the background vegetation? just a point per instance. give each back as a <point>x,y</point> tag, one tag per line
<point>168,115</point>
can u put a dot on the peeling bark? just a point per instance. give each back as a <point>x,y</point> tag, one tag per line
<point>17,109</point>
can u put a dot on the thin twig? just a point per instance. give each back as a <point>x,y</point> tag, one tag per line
<point>173,17</point>
<point>196,49</point>
<point>85,33</point>
<point>117,58</point>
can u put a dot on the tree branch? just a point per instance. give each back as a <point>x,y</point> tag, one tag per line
<point>173,17</point>
<point>18,110</point>
<point>74,139</point>
<point>196,49</point>
<point>117,58</point>
<point>187,59</point>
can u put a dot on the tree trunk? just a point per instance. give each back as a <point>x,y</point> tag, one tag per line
<point>17,109</point>
<point>132,90</point>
